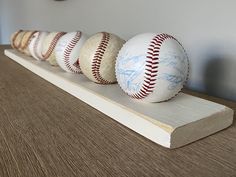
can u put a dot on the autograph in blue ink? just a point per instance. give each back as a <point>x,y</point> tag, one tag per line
<point>130,77</point>
<point>179,64</point>
<point>174,80</point>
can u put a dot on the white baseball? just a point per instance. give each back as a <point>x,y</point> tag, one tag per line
<point>98,55</point>
<point>152,67</point>
<point>36,44</point>
<point>67,51</point>
<point>49,44</point>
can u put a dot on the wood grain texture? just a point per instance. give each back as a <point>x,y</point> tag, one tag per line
<point>46,132</point>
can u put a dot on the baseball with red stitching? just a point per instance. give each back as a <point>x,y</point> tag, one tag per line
<point>98,55</point>
<point>152,67</point>
<point>36,44</point>
<point>24,45</point>
<point>49,43</point>
<point>13,38</point>
<point>67,51</point>
<point>17,40</point>
<point>23,40</point>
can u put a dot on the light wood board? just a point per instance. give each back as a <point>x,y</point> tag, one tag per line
<point>171,124</point>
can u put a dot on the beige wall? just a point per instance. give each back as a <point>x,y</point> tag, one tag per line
<point>205,27</point>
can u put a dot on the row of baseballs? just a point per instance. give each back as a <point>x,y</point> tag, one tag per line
<point>149,67</point>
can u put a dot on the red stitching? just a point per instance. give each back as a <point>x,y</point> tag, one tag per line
<point>151,69</point>
<point>28,39</point>
<point>98,58</point>
<point>52,45</point>
<point>21,41</point>
<point>18,47</point>
<point>67,53</point>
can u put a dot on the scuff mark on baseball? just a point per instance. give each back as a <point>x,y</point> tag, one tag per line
<point>49,44</point>
<point>98,55</point>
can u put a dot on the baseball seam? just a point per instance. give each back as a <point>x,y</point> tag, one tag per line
<point>151,67</point>
<point>67,53</point>
<point>20,48</point>
<point>52,45</point>
<point>28,39</point>
<point>98,59</point>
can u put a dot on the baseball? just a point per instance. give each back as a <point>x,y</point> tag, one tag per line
<point>17,39</point>
<point>98,55</point>
<point>152,67</point>
<point>25,42</point>
<point>67,51</point>
<point>49,44</point>
<point>13,38</point>
<point>36,44</point>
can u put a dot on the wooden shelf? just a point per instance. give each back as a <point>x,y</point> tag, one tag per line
<point>171,124</point>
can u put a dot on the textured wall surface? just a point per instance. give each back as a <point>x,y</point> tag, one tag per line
<point>1,21</point>
<point>205,28</point>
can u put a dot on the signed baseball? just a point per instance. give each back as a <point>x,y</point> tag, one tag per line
<point>152,67</point>
<point>98,55</point>
<point>49,44</point>
<point>67,51</point>
<point>36,44</point>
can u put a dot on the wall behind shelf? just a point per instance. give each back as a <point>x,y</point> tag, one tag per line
<point>206,29</point>
<point>1,6</point>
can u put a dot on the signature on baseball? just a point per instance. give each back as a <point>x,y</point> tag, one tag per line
<point>131,79</point>
<point>178,64</point>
